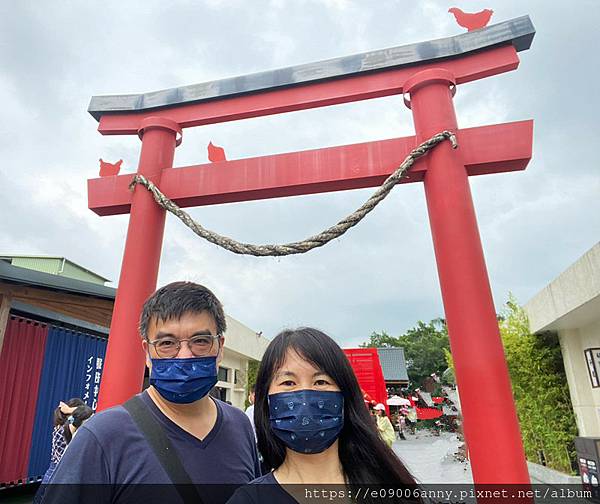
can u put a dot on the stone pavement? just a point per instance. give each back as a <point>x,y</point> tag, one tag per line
<point>429,458</point>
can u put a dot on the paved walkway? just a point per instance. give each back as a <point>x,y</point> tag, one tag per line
<point>429,458</point>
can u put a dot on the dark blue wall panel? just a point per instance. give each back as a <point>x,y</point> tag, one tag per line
<point>73,364</point>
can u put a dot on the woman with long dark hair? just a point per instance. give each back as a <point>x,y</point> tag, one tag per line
<point>67,418</point>
<point>59,442</point>
<point>312,425</point>
<point>75,420</point>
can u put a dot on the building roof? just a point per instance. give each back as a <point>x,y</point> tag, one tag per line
<point>393,364</point>
<point>60,258</point>
<point>15,274</point>
<point>26,310</point>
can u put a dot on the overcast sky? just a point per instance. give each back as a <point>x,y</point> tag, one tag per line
<point>381,275</point>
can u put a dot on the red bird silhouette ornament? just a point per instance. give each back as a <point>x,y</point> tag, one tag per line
<point>472,21</point>
<point>108,169</point>
<point>215,153</point>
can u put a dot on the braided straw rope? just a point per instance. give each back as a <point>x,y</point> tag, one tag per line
<point>312,242</point>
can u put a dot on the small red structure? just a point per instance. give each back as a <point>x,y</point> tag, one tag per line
<point>428,413</point>
<point>367,368</point>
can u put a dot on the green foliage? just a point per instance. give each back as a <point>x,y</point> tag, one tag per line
<point>423,345</point>
<point>251,377</point>
<point>381,340</point>
<point>449,376</point>
<point>540,390</point>
<point>449,359</point>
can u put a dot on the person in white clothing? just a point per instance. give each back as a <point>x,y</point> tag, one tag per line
<point>250,409</point>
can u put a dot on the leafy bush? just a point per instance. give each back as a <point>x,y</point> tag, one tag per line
<point>540,390</point>
<point>449,376</point>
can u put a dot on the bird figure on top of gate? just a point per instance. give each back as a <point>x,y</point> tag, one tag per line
<point>108,169</point>
<point>215,153</point>
<point>472,21</point>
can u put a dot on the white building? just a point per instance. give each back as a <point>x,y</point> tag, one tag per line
<point>570,306</point>
<point>242,344</point>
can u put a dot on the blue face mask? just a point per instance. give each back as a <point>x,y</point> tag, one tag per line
<point>307,421</point>
<point>184,381</point>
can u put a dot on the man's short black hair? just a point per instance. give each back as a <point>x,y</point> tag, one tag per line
<point>177,298</point>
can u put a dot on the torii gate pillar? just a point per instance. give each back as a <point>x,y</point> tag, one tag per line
<point>475,340</point>
<point>141,258</point>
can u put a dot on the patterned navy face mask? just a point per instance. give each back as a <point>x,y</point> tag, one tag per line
<point>184,381</point>
<point>307,421</point>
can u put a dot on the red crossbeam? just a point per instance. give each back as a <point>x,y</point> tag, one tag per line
<point>485,149</point>
<point>343,90</point>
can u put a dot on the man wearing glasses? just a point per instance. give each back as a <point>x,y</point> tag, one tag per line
<point>173,432</point>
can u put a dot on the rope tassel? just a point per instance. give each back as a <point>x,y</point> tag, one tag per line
<point>312,242</point>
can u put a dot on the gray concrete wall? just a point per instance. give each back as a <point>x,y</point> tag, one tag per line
<point>585,398</point>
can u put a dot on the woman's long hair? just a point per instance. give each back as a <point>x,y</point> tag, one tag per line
<point>80,415</point>
<point>59,417</point>
<point>365,458</point>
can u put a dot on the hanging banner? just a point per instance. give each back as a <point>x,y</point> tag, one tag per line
<point>20,368</point>
<point>72,368</point>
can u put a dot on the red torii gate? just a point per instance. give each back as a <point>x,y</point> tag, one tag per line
<point>428,72</point>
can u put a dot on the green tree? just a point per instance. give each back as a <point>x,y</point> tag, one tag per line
<point>423,348</point>
<point>381,340</point>
<point>251,377</point>
<point>540,390</point>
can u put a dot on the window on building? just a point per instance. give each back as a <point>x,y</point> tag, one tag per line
<point>237,377</point>
<point>220,393</point>
<point>223,374</point>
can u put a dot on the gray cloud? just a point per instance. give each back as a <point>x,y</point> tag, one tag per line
<point>382,274</point>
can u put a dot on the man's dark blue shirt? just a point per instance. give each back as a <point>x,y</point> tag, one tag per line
<point>110,460</point>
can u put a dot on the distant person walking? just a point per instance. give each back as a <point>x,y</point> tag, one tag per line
<point>402,422</point>
<point>250,409</point>
<point>68,417</point>
<point>76,419</point>
<point>384,426</point>
<point>250,414</point>
<point>411,418</point>
<point>59,441</point>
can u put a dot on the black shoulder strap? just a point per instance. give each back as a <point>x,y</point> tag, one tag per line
<point>163,449</point>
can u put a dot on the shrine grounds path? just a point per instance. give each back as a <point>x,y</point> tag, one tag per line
<point>430,458</point>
